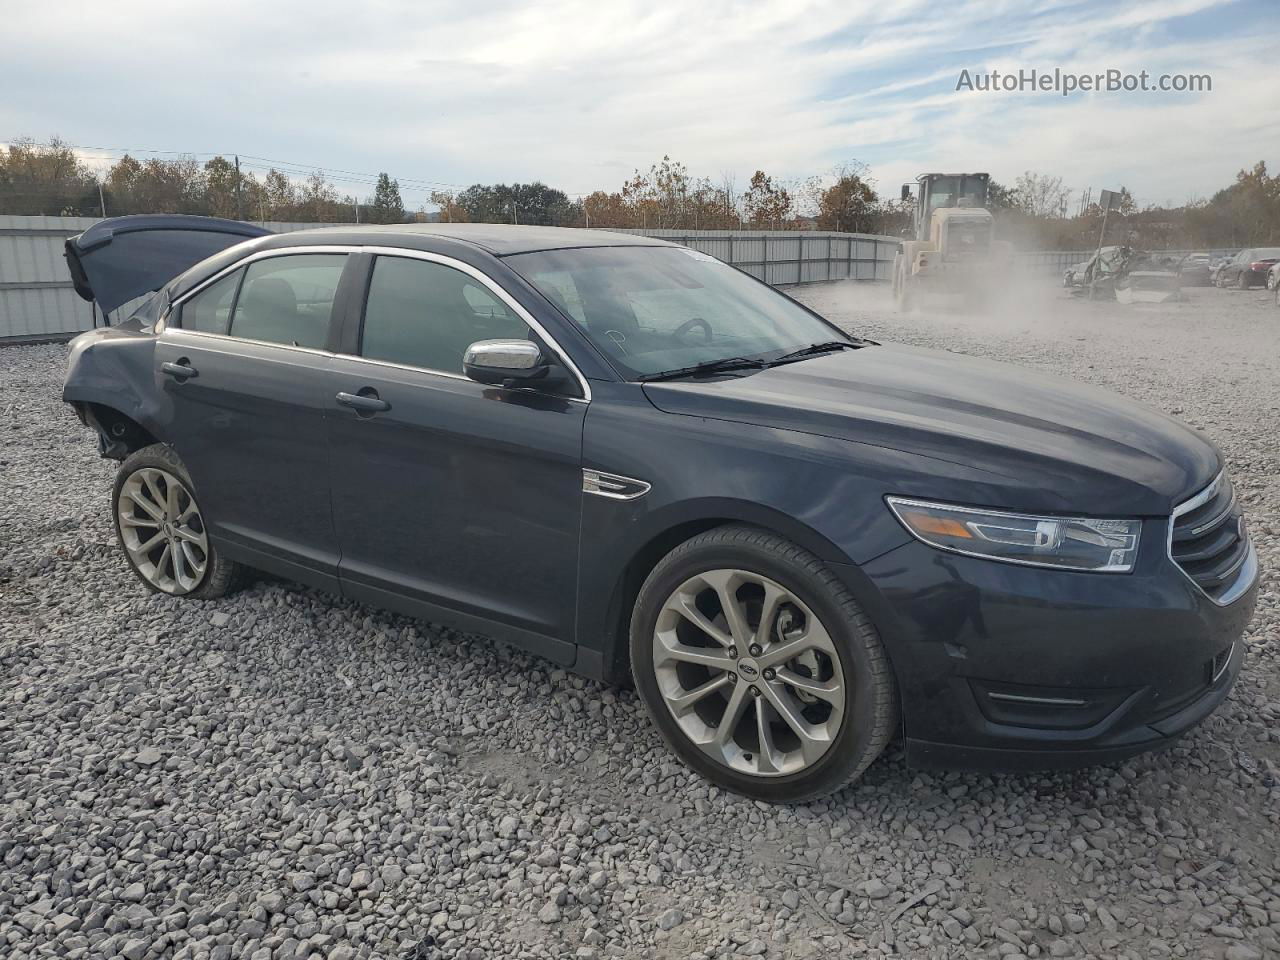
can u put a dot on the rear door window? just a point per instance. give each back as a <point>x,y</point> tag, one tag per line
<point>289,299</point>
<point>209,311</point>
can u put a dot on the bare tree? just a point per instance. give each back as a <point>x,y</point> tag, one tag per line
<point>1040,195</point>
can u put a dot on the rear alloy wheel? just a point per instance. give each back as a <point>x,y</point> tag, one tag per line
<point>759,668</point>
<point>161,528</point>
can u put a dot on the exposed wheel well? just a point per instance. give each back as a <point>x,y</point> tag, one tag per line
<point>118,434</point>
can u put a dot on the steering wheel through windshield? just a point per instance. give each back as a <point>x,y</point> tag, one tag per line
<point>688,325</point>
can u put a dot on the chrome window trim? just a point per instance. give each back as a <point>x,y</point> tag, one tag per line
<point>613,486</point>
<point>379,251</point>
<point>171,332</point>
<point>1248,567</point>
<point>412,369</point>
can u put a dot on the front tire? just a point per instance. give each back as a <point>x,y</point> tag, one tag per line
<point>759,668</point>
<point>161,530</point>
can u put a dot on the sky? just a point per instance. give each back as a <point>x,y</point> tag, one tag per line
<point>580,93</point>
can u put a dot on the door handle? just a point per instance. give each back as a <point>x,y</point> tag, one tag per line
<point>180,370</point>
<point>367,401</point>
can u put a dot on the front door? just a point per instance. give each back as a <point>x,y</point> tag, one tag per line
<point>243,364</point>
<point>453,500</point>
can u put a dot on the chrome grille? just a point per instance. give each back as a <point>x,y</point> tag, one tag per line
<point>1208,541</point>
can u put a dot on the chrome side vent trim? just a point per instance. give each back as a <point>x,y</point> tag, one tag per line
<point>613,486</point>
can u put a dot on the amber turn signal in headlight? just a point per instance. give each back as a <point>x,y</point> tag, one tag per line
<point>1069,543</point>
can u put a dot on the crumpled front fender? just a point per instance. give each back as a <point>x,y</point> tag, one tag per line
<point>114,367</point>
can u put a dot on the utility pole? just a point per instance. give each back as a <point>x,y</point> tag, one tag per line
<point>239,203</point>
<point>102,201</point>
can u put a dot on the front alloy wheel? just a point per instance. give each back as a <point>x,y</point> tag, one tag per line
<point>748,672</point>
<point>759,668</point>
<point>162,530</point>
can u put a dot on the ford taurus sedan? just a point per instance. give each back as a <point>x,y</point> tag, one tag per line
<point>637,461</point>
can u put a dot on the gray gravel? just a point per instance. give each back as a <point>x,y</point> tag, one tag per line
<point>286,774</point>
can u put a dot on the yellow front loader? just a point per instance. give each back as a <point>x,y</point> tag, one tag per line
<point>952,253</point>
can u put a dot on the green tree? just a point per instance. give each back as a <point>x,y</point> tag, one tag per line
<point>765,203</point>
<point>387,205</point>
<point>39,179</point>
<point>220,189</point>
<point>318,200</point>
<point>1000,197</point>
<point>280,197</point>
<point>524,203</point>
<point>848,204</point>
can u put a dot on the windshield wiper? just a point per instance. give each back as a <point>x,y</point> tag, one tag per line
<point>708,367</point>
<point>813,349</point>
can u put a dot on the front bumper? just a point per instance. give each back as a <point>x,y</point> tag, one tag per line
<point>1002,666</point>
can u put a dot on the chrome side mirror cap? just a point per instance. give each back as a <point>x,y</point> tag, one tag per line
<point>502,355</point>
<point>510,363</point>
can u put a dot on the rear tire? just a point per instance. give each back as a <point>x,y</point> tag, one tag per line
<point>162,531</point>
<point>803,725</point>
<point>1242,280</point>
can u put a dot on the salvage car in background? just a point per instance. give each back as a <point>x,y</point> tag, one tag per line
<point>631,458</point>
<point>1194,269</point>
<point>1273,276</point>
<point>1219,263</point>
<point>1126,274</point>
<point>1248,268</point>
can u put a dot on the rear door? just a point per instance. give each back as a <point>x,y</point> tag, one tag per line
<point>243,363</point>
<point>453,500</point>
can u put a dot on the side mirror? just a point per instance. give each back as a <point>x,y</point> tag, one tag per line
<point>510,364</point>
<point>906,192</point>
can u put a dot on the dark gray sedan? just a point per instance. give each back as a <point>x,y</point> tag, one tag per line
<point>636,461</point>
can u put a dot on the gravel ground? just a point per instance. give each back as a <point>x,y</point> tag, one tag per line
<point>287,774</point>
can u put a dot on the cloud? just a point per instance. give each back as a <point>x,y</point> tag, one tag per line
<point>579,93</point>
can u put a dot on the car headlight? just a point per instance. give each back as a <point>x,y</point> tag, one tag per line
<point>1068,543</point>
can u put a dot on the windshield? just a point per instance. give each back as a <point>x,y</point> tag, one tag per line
<point>957,192</point>
<point>656,309</point>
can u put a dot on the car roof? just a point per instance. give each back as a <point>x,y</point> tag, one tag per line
<point>499,239</point>
<point>470,242</point>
